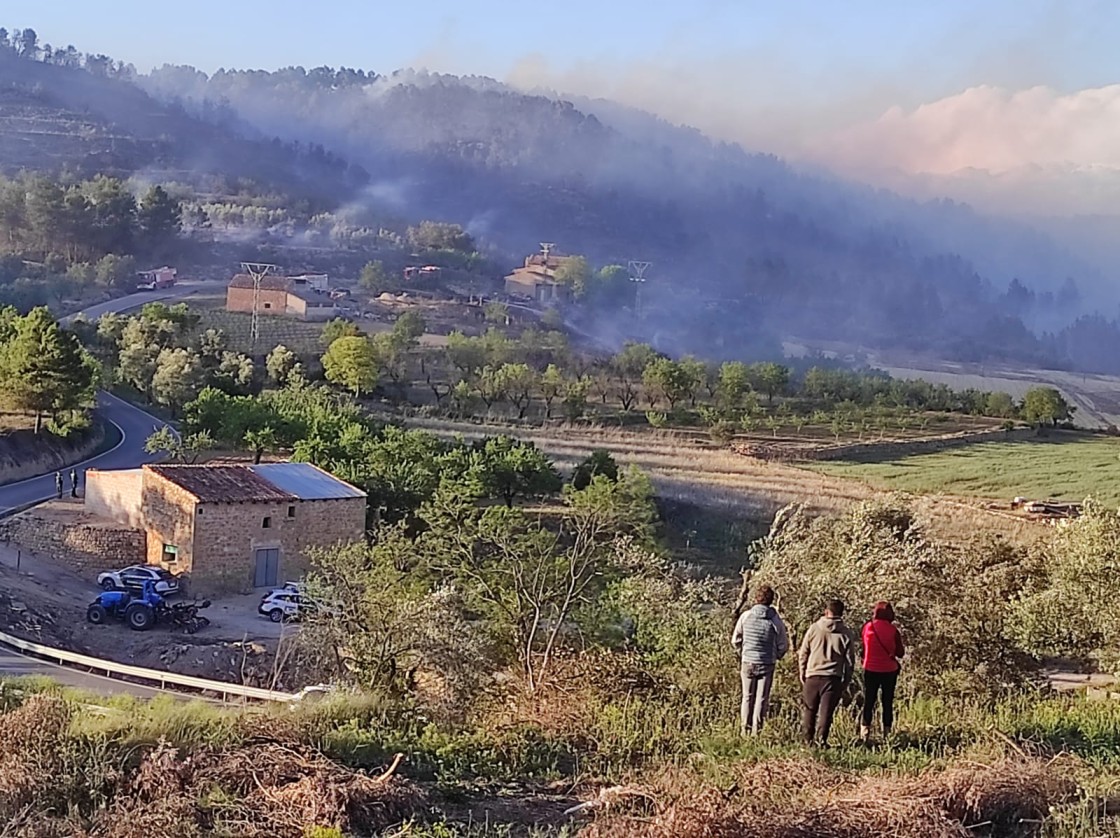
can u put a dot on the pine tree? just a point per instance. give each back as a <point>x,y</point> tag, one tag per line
<point>44,368</point>
<point>161,219</point>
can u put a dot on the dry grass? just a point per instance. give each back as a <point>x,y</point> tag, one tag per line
<point>56,782</point>
<point>793,798</point>
<point>685,469</point>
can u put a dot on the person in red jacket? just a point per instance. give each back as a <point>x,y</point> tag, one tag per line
<point>882,655</point>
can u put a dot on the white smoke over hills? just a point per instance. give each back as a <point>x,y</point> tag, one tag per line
<point>1034,151</point>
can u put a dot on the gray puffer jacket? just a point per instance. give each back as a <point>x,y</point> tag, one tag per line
<point>760,636</point>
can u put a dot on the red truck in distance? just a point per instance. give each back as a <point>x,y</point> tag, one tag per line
<point>155,279</point>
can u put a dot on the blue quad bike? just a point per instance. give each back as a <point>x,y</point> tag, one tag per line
<point>143,611</point>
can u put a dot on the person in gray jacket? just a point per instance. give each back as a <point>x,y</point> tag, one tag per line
<point>760,637</point>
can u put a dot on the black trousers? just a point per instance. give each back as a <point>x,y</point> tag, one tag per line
<point>873,683</point>
<point>820,695</point>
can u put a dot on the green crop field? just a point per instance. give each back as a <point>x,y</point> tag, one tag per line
<point>1069,466</point>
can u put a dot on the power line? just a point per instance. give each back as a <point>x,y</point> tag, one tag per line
<point>638,277</point>
<point>257,271</point>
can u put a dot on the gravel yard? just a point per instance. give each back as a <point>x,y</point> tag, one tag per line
<point>45,601</point>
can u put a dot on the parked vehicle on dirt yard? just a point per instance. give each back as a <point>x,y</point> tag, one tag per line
<point>286,604</point>
<point>142,611</point>
<point>132,579</point>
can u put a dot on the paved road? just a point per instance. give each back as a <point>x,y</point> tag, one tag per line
<point>132,301</point>
<point>135,426</point>
<point>13,665</point>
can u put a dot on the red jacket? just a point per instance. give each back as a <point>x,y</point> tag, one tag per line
<point>882,646</point>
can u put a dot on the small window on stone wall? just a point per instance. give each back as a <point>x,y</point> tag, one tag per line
<point>267,522</point>
<point>291,512</point>
<point>170,554</point>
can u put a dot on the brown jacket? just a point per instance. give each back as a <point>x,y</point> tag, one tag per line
<point>827,649</point>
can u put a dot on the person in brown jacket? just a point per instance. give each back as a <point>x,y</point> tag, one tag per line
<point>826,661</point>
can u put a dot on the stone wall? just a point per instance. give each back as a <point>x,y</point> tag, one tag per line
<point>168,513</point>
<point>86,543</point>
<point>272,301</point>
<point>890,450</point>
<point>115,495</point>
<point>874,450</point>
<point>227,536</point>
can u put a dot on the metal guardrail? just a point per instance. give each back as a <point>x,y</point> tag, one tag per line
<point>111,668</point>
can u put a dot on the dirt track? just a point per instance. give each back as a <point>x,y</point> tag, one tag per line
<point>1096,397</point>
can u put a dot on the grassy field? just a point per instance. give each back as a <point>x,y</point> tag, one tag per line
<point>1069,466</point>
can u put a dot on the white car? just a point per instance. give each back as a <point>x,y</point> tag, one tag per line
<point>315,691</point>
<point>285,604</point>
<point>132,578</point>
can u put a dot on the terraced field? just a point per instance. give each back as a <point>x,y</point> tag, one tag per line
<point>688,472</point>
<point>299,336</point>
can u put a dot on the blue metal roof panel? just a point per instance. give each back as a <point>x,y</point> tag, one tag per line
<point>306,482</point>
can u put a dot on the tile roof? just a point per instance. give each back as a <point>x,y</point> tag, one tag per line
<point>222,484</point>
<point>529,276</point>
<point>306,482</point>
<point>269,282</point>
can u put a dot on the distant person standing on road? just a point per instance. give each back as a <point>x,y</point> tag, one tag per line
<point>73,482</point>
<point>882,653</point>
<point>762,640</point>
<point>58,483</point>
<point>826,661</point>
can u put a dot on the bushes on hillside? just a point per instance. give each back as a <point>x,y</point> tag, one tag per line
<point>954,602</point>
<point>1070,607</point>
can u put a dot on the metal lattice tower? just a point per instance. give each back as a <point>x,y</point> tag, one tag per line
<point>257,271</point>
<point>638,277</point>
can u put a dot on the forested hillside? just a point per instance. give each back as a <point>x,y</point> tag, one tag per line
<point>746,250</point>
<point>84,114</point>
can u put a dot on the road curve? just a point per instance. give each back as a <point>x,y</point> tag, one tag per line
<point>135,427</point>
<point>133,423</point>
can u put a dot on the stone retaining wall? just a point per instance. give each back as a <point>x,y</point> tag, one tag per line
<point>24,455</point>
<point>86,544</point>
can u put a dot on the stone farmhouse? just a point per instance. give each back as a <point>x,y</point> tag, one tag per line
<point>232,528</point>
<point>536,279</point>
<point>304,297</point>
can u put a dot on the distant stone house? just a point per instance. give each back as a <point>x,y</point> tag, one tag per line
<point>292,296</point>
<point>536,279</point>
<point>232,528</point>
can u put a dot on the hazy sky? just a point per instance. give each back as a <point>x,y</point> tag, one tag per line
<point>832,43</point>
<point>875,88</point>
